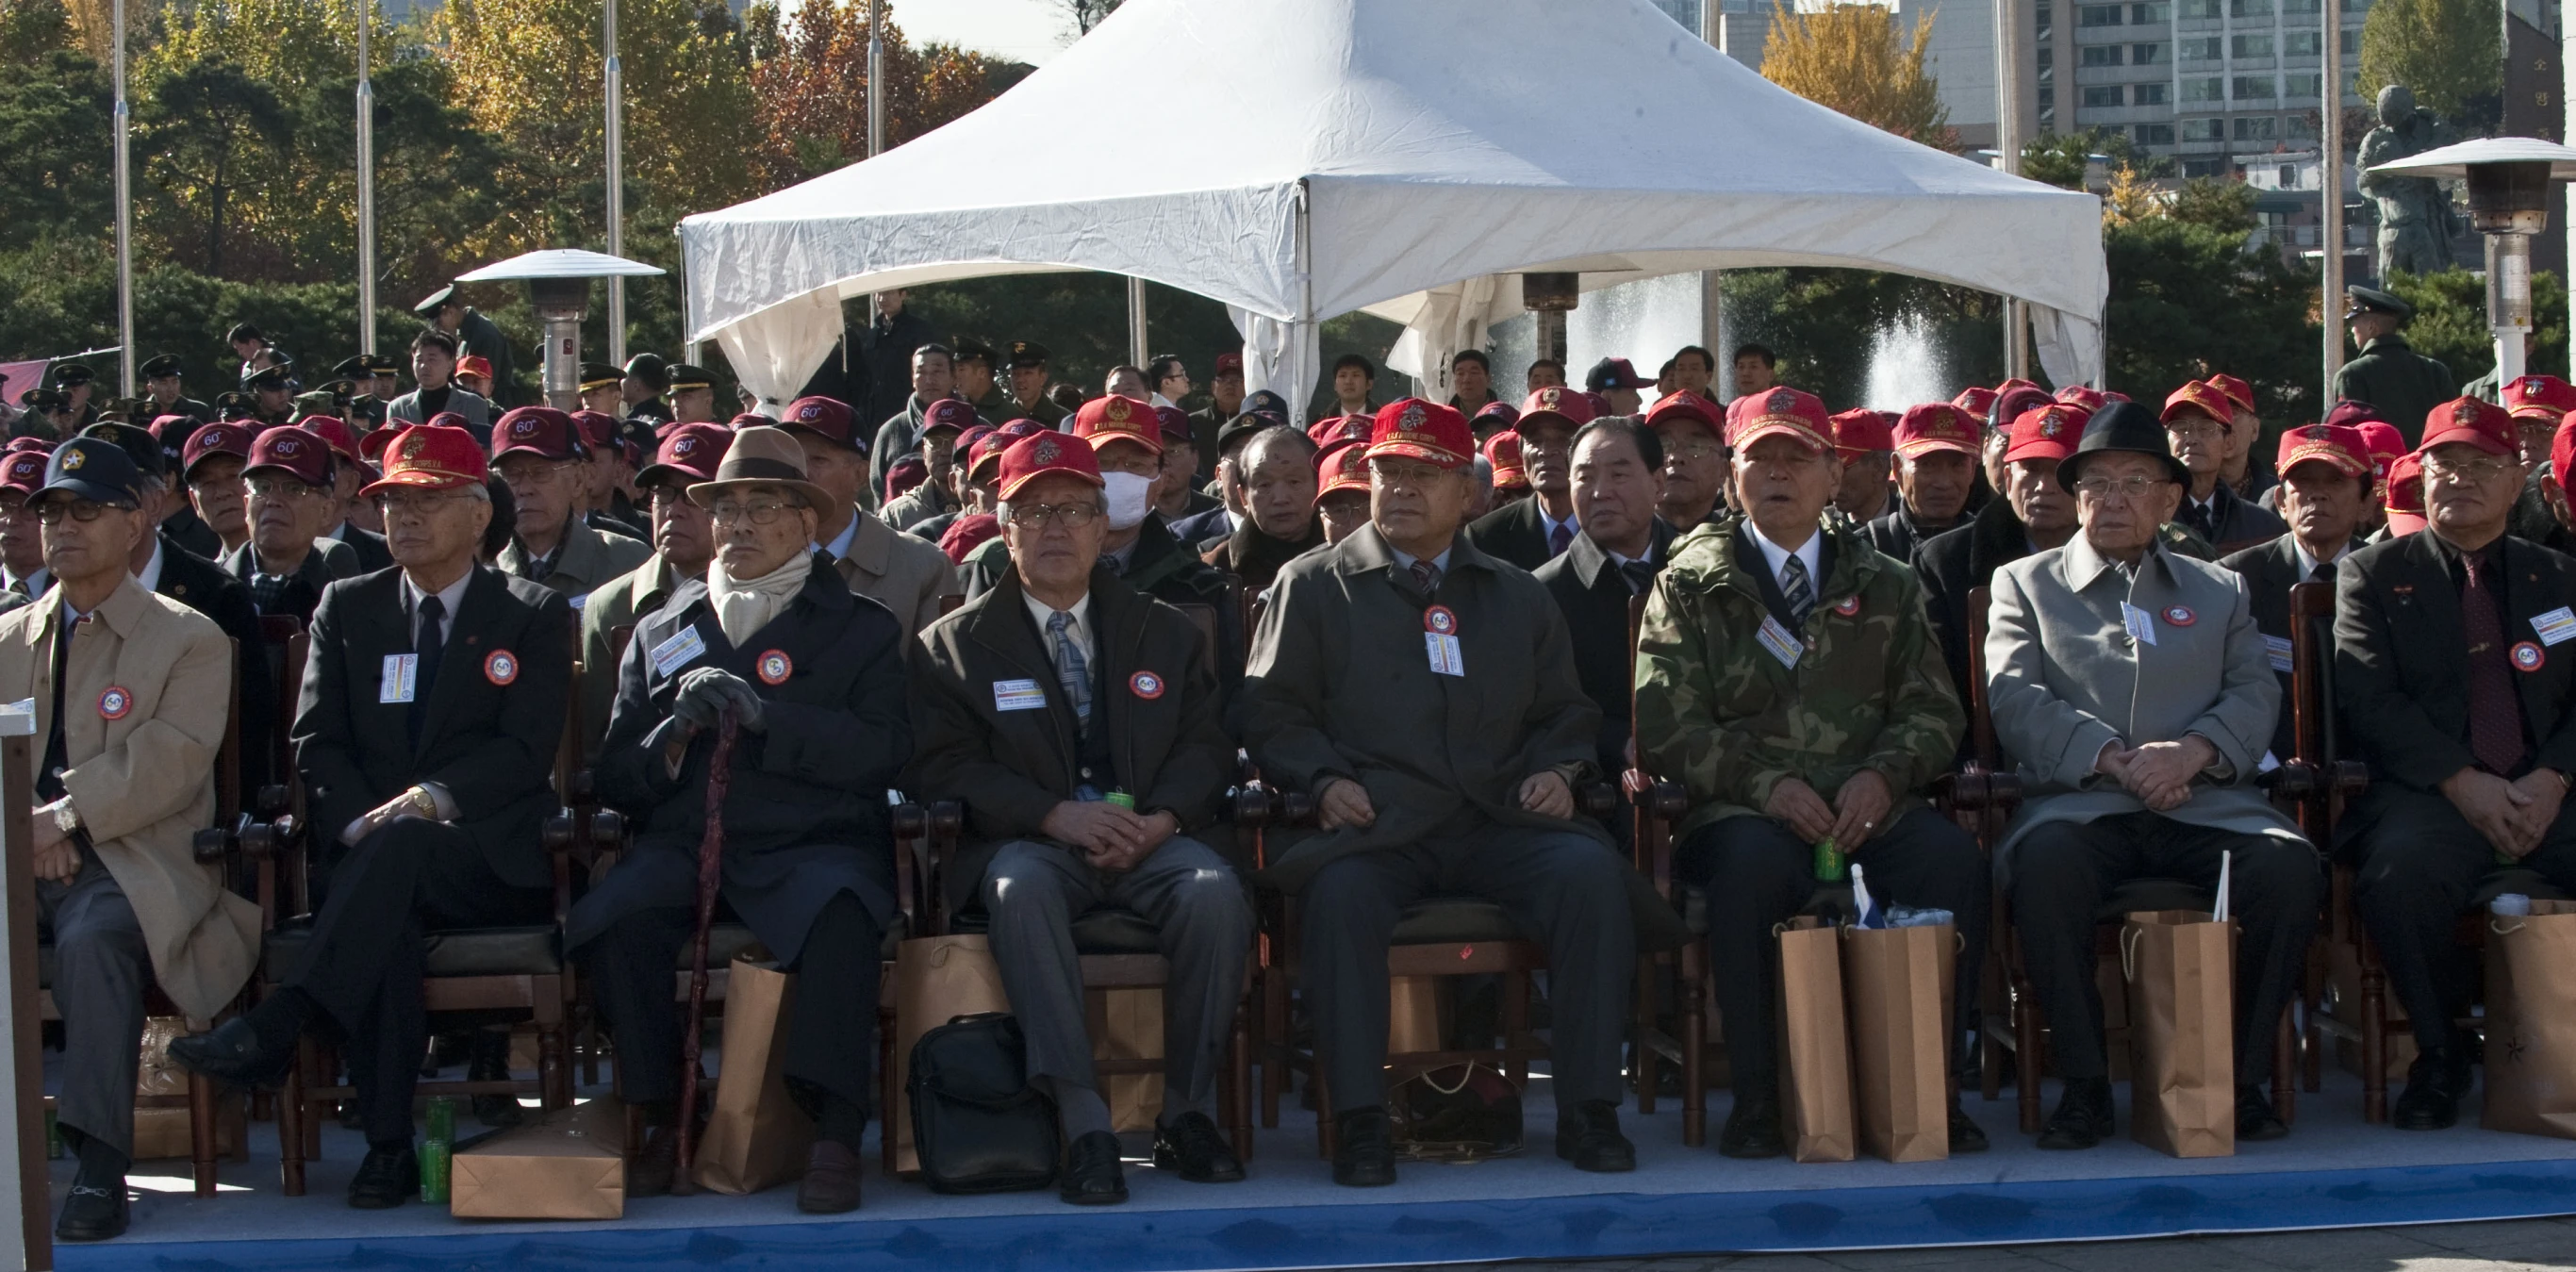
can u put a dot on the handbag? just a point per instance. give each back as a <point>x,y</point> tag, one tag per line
<point>977,1124</point>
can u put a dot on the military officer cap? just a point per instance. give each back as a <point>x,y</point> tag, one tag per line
<point>234,405</point>
<point>1026,353</point>
<point>330,399</point>
<point>44,400</point>
<point>155,368</point>
<point>138,444</point>
<point>435,301</point>
<point>2371,300</point>
<point>72,374</point>
<point>266,378</point>
<point>649,368</point>
<point>599,375</point>
<point>970,349</point>
<point>353,368</point>
<point>685,377</point>
<point>118,408</point>
<point>381,365</point>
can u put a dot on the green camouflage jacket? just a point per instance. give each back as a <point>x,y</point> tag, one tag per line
<point>1720,714</point>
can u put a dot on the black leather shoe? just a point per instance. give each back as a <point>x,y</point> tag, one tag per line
<point>2435,1084</point>
<point>233,1055</point>
<point>1965,1135</point>
<point>1589,1137</point>
<point>653,1168</point>
<point>1753,1128</point>
<point>388,1178</point>
<point>491,1063</point>
<point>1191,1148</point>
<point>1365,1155</point>
<point>2083,1116</point>
<point>2255,1120</point>
<point>1092,1175</point>
<point>95,1211</point>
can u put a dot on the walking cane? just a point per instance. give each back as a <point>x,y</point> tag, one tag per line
<point>684,1178</point>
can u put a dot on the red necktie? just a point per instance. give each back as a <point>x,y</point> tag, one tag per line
<point>2495,715</point>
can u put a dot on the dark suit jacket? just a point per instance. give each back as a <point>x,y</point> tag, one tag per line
<point>1896,532</point>
<point>2401,670</point>
<point>2270,571</point>
<point>2233,519</point>
<point>373,555</point>
<point>1010,768</point>
<point>1514,533</point>
<point>1952,564</point>
<point>805,814</point>
<point>190,531</point>
<point>328,562</point>
<point>201,585</point>
<point>492,746</point>
<point>1593,596</point>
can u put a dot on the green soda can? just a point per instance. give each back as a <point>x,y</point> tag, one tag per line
<point>442,1119</point>
<point>1121,799</point>
<point>1831,866</point>
<point>434,1163</point>
<point>53,1136</point>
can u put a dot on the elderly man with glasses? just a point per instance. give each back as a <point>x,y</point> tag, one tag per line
<point>2132,687</point>
<point>538,450</point>
<point>284,564</point>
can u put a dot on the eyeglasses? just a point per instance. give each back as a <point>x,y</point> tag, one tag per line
<point>666,496</point>
<point>1073,516</point>
<point>1407,476</point>
<point>1793,459</point>
<point>2199,429</point>
<point>1694,450</point>
<point>764,513</point>
<point>2467,469</point>
<point>412,505</point>
<point>280,488</point>
<point>2133,486</point>
<point>52,512</point>
<point>545,474</point>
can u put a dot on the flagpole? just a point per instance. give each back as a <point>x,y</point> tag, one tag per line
<point>124,217</point>
<point>366,107</point>
<point>616,88</point>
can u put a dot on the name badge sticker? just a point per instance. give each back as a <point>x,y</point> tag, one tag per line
<point>2141,625</point>
<point>2279,648</point>
<point>2556,627</point>
<point>1018,695</point>
<point>679,650</point>
<point>402,678</point>
<point>1783,643</point>
<point>1447,658</point>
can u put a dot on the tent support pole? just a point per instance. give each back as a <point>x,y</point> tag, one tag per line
<point>1297,401</point>
<point>2330,198</point>
<point>1712,331</point>
<point>1137,341</point>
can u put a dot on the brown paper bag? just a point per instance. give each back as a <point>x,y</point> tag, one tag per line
<point>936,979</point>
<point>1815,1045</point>
<point>1127,1024</point>
<point>163,1131</point>
<point>567,1164</point>
<point>2531,1022</point>
<point>158,1074</point>
<point>2181,969</point>
<point>757,1136</point>
<point>1896,982</point>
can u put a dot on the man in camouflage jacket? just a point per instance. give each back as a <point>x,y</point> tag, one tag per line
<point>1788,679</point>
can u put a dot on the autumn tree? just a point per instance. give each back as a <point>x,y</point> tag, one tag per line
<point>810,82</point>
<point>1858,60</point>
<point>2450,52</point>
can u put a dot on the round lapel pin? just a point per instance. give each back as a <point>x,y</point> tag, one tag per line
<point>1146,685</point>
<point>775,667</point>
<point>501,667</point>
<point>115,703</point>
<point>1440,620</point>
<point>2529,656</point>
<point>2180,615</point>
<point>1849,605</point>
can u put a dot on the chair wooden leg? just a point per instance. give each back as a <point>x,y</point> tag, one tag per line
<point>1238,1084</point>
<point>1694,995</point>
<point>554,1066</point>
<point>1642,1045</point>
<point>1990,1062</point>
<point>1516,1026</point>
<point>290,1125</point>
<point>2285,1086</point>
<point>1276,1043</point>
<point>201,1132</point>
<point>886,1094</point>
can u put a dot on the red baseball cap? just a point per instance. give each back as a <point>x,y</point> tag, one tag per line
<point>2562,450</point>
<point>2354,413</point>
<point>2201,396</point>
<point>2011,403</point>
<point>987,450</point>
<point>1503,414</point>
<point>2238,393</point>
<point>1503,451</point>
<point>2406,495</point>
<point>2468,421</point>
<point>598,429</point>
<point>2539,397</point>
<point>336,434</point>
<point>1335,431</point>
<point>2048,432</point>
<point>826,418</point>
<point>1115,418</point>
<point>2382,442</point>
<point>966,440</point>
<point>214,439</point>
<point>293,451</point>
<point>954,414</point>
<point>2006,388</point>
<point>1174,423</point>
<point>1936,426</point>
<point>1229,363</point>
<point>1345,468</point>
<point>24,471</point>
<point>2338,444</point>
<point>537,430</point>
<point>1783,412</point>
<point>1861,431</point>
<point>1557,402</point>
<point>173,430</point>
<point>1415,429</point>
<point>1975,401</point>
<point>36,444</point>
<point>689,452</point>
<point>474,364</point>
<point>1033,457</point>
<point>1685,405</point>
<point>432,457</point>
<point>2085,396</point>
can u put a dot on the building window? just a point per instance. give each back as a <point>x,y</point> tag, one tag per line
<point>2310,85</point>
<point>2192,9</point>
<point>2256,127</point>
<point>2146,54</point>
<point>2098,15</point>
<point>2204,90</point>
<point>2102,97</point>
<point>2203,168</point>
<point>2204,130</point>
<point>2299,128</point>
<point>2201,49</point>
<point>2249,46</point>
<point>2302,43</point>
<point>2302,8</point>
<point>2250,8</point>
<point>2252,88</point>
<point>2101,55</point>
<point>2045,22</point>
<point>2149,14</point>
<point>2150,95</point>
<point>2351,42</point>
<point>2155,134</point>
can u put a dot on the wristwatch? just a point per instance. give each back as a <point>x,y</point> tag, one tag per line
<point>424,803</point>
<point>67,818</point>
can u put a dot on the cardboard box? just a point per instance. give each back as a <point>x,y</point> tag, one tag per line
<point>568,1164</point>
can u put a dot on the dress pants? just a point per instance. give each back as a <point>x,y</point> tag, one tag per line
<point>831,1034</point>
<point>1757,873</point>
<point>1566,890</point>
<point>1034,891</point>
<point>2064,871</point>
<point>363,964</point>
<point>101,968</point>
<point>2421,864</point>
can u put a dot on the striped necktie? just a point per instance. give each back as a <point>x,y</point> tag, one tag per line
<point>1071,670</point>
<point>1797,591</point>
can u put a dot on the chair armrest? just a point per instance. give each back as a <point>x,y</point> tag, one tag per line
<point>273,801</point>
<point>2293,780</point>
<point>909,822</point>
<point>946,823</point>
<point>2351,778</point>
<point>215,845</point>
<point>1251,803</point>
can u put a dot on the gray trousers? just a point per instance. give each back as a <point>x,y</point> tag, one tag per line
<point>1033,892</point>
<point>101,968</point>
<point>1568,891</point>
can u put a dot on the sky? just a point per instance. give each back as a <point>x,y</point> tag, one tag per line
<point>1029,31</point>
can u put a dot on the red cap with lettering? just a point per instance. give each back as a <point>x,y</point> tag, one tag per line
<point>1415,429</point>
<point>1033,457</point>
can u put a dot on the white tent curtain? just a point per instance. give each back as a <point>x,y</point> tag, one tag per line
<point>774,352</point>
<point>1282,357</point>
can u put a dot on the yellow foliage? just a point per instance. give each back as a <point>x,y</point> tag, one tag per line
<point>2132,197</point>
<point>1855,59</point>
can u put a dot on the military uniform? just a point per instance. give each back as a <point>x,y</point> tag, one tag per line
<point>2403,384</point>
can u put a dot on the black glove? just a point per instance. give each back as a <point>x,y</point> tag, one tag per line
<point>704,694</point>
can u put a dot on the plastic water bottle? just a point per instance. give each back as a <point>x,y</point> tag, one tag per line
<point>2511,905</point>
<point>1121,799</point>
<point>1831,865</point>
<point>442,1118</point>
<point>435,1159</point>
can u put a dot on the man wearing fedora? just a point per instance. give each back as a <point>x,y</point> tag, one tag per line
<point>813,678</point>
<point>2131,685</point>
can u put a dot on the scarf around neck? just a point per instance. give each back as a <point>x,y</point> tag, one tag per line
<point>743,608</point>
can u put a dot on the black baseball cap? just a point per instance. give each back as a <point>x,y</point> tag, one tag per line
<point>95,469</point>
<point>138,443</point>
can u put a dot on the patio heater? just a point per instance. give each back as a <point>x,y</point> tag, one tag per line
<point>2508,180</point>
<point>558,282</point>
<point>1550,297</point>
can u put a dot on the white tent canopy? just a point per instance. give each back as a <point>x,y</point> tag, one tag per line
<point>1300,159</point>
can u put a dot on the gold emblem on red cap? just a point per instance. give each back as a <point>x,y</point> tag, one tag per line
<point>1047,452</point>
<point>1547,397</point>
<point>2465,411</point>
<point>1411,420</point>
<point>413,445</point>
<point>1117,410</point>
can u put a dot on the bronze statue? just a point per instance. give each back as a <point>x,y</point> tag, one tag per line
<point>2416,223</point>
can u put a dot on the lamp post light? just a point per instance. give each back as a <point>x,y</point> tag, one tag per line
<point>1550,296</point>
<point>2508,179</point>
<point>558,280</point>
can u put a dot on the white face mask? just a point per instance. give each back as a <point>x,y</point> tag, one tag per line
<point>1127,505</point>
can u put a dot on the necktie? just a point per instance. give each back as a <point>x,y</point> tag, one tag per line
<point>49,779</point>
<point>1426,577</point>
<point>429,643</point>
<point>2324,573</point>
<point>2495,717</point>
<point>2201,516</point>
<point>1560,538</point>
<point>1795,589</point>
<point>1071,671</point>
<point>1640,576</point>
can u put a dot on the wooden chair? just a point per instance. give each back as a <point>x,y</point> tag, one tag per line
<point>1655,805</point>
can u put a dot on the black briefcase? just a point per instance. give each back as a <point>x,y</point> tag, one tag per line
<point>977,1124</point>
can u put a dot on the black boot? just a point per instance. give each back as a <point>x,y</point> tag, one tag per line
<point>1589,1137</point>
<point>2083,1116</point>
<point>2435,1084</point>
<point>388,1177</point>
<point>1753,1127</point>
<point>491,1063</point>
<point>2255,1120</point>
<point>1365,1155</point>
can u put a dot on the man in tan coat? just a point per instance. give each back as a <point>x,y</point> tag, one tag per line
<point>130,691</point>
<point>898,571</point>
